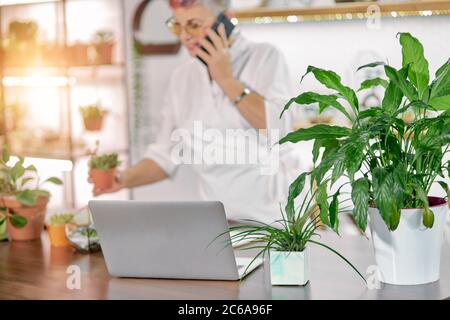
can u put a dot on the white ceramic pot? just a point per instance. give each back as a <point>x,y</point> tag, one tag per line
<point>411,254</point>
<point>289,268</point>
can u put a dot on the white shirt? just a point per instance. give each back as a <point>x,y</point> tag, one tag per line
<point>193,101</point>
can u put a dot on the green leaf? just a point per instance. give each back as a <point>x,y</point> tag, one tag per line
<point>370,113</point>
<point>26,180</point>
<point>428,218</point>
<point>371,65</point>
<point>54,180</point>
<point>42,193</point>
<point>440,87</point>
<point>399,78</point>
<point>333,81</point>
<point>31,168</point>
<point>417,104</point>
<point>325,101</point>
<point>287,106</point>
<point>382,188</point>
<point>413,55</point>
<point>394,219</point>
<point>5,154</point>
<point>445,187</point>
<point>369,83</point>
<point>360,198</point>
<point>338,167</point>
<point>354,152</point>
<point>319,131</point>
<point>440,103</point>
<point>421,194</point>
<point>333,211</point>
<point>17,171</point>
<point>442,68</point>
<point>295,189</point>
<point>323,203</point>
<point>18,221</point>
<point>316,149</point>
<point>392,98</point>
<point>27,197</point>
<point>328,144</point>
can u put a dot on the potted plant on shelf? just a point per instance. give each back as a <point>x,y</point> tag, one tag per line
<point>78,54</point>
<point>21,46</point>
<point>103,170</point>
<point>287,240</point>
<point>25,207</point>
<point>93,116</point>
<point>104,45</point>
<point>57,229</point>
<point>390,164</point>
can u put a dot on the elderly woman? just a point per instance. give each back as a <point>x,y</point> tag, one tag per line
<point>238,91</point>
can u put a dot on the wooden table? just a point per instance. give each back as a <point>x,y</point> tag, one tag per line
<point>34,270</point>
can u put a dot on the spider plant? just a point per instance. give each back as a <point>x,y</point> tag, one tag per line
<point>296,229</point>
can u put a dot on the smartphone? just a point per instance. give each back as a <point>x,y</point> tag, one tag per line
<point>229,27</point>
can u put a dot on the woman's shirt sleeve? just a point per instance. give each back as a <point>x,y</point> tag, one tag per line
<point>274,83</point>
<point>160,150</point>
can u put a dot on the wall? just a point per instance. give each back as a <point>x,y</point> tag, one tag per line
<point>338,45</point>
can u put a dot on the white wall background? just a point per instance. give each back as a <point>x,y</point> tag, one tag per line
<point>338,45</point>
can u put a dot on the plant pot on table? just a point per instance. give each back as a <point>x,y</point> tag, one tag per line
<point>411,254</point>
<point>34,215</point>
<point>289,268</point>
<point>57,235</point>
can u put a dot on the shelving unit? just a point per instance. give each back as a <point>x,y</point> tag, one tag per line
<point>345,11</point>
<point>55,75</point>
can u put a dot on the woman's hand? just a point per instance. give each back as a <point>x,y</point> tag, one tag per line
<point>217,56</point>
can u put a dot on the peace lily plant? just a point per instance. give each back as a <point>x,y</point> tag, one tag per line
<point>287,241</point>
<point>389,164</point>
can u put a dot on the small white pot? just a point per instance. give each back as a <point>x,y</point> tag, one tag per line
<point>289,268</point>
<point>411,254</point>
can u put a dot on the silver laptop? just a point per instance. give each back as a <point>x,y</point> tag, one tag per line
<point>172,240</point>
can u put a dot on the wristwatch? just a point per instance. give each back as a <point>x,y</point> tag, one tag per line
<point>244,93</point>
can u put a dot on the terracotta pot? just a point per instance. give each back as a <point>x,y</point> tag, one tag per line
<point>93,124</point>
<point>57,235</point>
<point>78,55</point>
<point>35,218</point>
<point>103,179</point>
<point>104,53</point>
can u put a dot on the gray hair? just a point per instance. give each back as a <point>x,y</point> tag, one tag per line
<point>216,6</point>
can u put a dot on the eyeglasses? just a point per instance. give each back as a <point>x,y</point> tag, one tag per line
<point>193,27</point>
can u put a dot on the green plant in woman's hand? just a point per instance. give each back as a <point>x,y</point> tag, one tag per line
<point>396,162</point>
<point>293,232</point>
<point>104,162</point>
